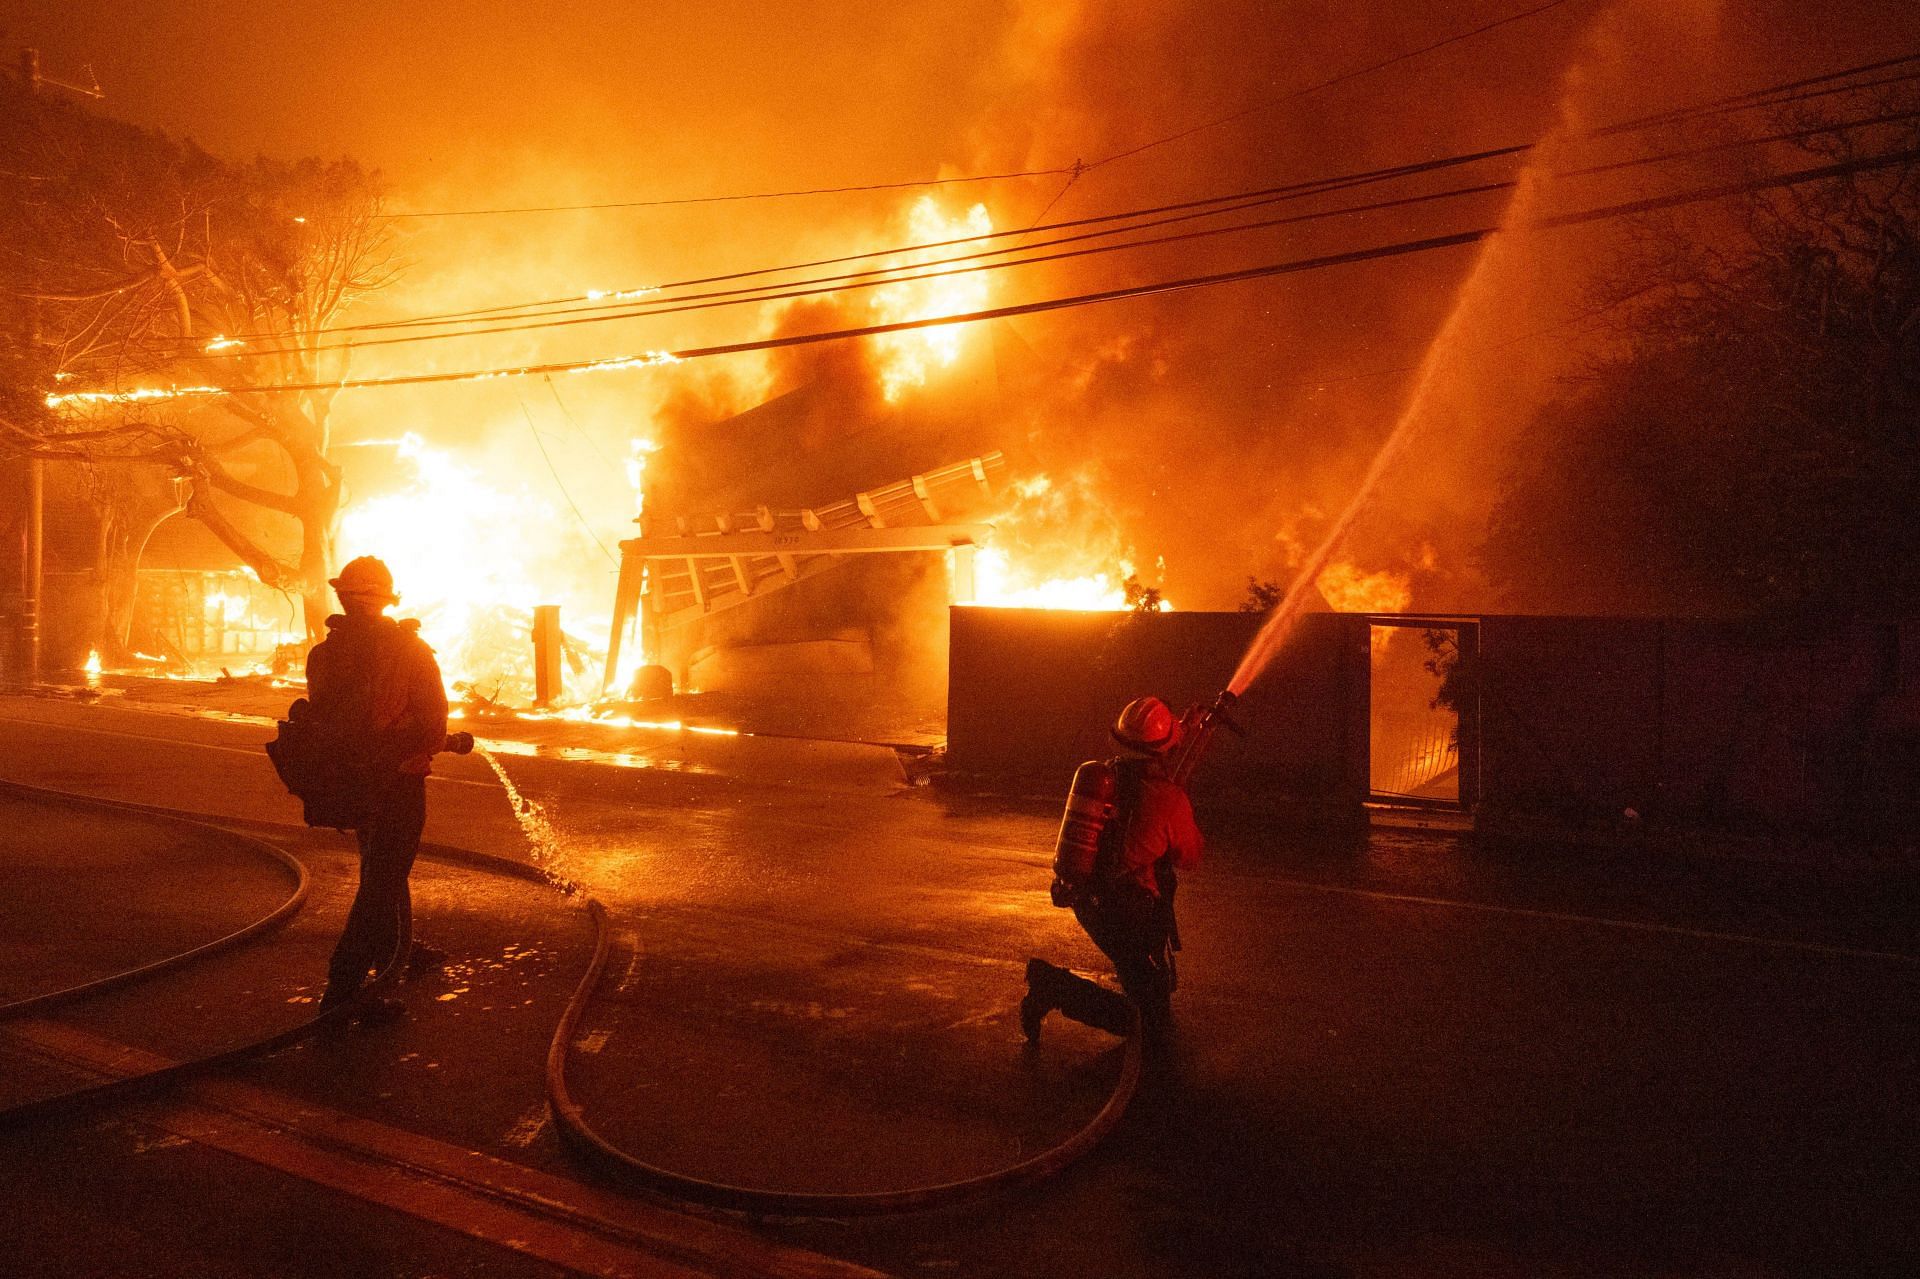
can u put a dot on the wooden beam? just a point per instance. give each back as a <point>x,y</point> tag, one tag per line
<point>841,541</point>
<point>699,587</point>
<point>626,599</point>
<point>926,498</point>
<point>961,586</point>
<point>865,502</point>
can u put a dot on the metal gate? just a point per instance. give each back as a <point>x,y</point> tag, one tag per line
<point>1422,712</point>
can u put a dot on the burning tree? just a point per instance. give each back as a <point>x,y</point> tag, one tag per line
<point>1748,444</point>
<point>142,263</point>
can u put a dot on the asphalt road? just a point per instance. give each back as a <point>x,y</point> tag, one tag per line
<point>1397,1055</point>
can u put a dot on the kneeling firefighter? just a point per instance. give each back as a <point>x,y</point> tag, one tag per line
<point>1127,833</point>
<point>357,751</point>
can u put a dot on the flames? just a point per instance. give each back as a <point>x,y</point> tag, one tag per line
<point>471,559</point>
<point>474,547</point>
<point>1347,589</point>
<point>905,360</point>
<point>1001,583</point>
<point>1054,547</point>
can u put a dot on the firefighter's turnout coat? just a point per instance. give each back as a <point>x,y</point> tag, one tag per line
<point>375,678</point>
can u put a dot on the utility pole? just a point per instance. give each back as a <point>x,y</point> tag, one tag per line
<point>32,577</point>
<point>33,548</point>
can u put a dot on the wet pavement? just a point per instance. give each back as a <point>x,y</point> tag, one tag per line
<point>1403,1054</point>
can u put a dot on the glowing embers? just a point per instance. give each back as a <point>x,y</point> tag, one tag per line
<point>139,395</point>
<point>615,719</point>
<point>906,359</point>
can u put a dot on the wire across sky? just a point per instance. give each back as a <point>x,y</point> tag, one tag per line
<point>1403,248</point>
<point>1071,170</point>
<point>625,303</point>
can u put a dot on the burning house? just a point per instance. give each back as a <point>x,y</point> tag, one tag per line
<point>807,548</point>
<point>196,607</point>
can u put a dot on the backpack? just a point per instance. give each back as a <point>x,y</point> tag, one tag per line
<point>323,766</point>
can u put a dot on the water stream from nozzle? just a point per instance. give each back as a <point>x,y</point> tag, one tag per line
<point>1474,293</point>
<point>542,839</point>
<point>1279,624</point>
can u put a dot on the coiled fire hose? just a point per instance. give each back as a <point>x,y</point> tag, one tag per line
<point>577,1133</point>
<point>133,1086</point>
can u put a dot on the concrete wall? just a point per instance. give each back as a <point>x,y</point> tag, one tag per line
<point>1032,692</point>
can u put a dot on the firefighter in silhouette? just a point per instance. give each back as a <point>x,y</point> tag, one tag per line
<point>374,681</point>
<point>1125,903</point>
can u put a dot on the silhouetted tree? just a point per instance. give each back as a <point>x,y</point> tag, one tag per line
<point>142,258</point>
<point>1140,597</point>
<point>1262,596</point>
<point>1751,443</point>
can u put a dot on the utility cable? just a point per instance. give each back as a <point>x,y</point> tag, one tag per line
<point>1303,188</point>
<point>562,486</point>
<point>1291,95</point>
<point>580,430</point>
<point>1769,96</point>
<point>884,276</point>
<point>1072,170</point>
<point>1264,271</point>
<point>876,278</point>
<point>668,202</point>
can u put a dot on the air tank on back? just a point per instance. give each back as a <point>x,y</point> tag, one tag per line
<point>1090,806</point>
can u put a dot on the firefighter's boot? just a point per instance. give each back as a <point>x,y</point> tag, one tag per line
<point>424,959</point>
<point>1036,1004</point>
<point>1051,987</point>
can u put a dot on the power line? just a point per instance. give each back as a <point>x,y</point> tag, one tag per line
<point>574,422</point>
<point>1244,274</point>
<point>1269,103</point>
<point>1753,96</point>
<point>1753,99</point>
<point>1303,188</point>
<point>669,201</point>
<point>1071,170</point>
<point>882,277</point>
<point>877,278</point>
<point>561,484</point>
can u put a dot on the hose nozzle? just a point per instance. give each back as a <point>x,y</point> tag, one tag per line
<point>459,744</point>
<point>1200,723</point>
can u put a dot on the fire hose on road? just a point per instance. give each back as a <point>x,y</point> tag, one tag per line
<point>578,1134</point>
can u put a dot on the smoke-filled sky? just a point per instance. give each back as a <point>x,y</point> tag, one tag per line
<point>1220,428</point>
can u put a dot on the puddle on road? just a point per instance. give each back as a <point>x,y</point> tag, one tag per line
<point>590,755</point>
<point>462,975</point>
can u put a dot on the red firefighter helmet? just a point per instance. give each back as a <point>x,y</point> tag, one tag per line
<point>1147,725</point>
<point>365,576</point>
